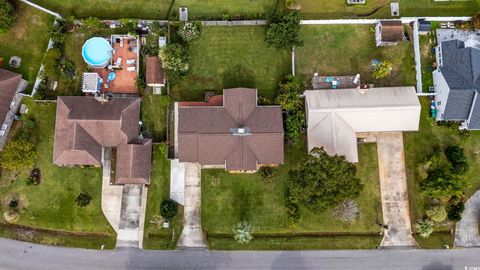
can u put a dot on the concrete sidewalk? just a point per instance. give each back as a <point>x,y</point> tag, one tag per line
<point>192,234</point>
<point>111,194</point>
<point>394,192</point>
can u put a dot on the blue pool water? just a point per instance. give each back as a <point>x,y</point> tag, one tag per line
<point>97,52</point>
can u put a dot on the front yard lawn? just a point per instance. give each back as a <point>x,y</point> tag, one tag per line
<point>155,237</point>
<point>228,198</point>
<point>348,50</point>
<point>226,57</point>
<point>28,39</point>
<point>51,204</point>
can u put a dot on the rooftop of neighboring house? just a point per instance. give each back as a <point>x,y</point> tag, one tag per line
<point>335,116</point>
<point>235,132</point>
<point>9,85</point>
<point>154,72</point>
<point>84,125</point>
<point>392,31</point>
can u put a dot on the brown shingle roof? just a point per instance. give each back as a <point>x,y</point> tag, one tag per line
<point>134,162</point>
<point>154,72</point>
<point>84,125</point>
<point>392,31</point>
<point>205,132</point>
<point>9,82</point>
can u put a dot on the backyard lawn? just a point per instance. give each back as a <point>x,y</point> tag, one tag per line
<point>227,57</point>
<point>154,115</point>
<point>348,50</point>
<point>51,204</point>
<point>155,236</point>
<point>28,38</point>
<point>228,198</point>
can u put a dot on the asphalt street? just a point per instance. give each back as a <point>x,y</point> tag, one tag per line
<point>22,255</point>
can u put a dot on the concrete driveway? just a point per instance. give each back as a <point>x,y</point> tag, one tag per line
<point>394,192</point>
<point>466,231</point>
<point>192,234</point>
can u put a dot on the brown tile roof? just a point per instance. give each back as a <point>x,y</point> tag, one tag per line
<point>392,31</point>
<point>134,162</point>
<point>9,82</point>
<point>205,132</point>
<point>84,125</point>
<point>154,72</point>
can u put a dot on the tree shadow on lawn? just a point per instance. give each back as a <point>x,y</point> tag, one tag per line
<point>239,76</point>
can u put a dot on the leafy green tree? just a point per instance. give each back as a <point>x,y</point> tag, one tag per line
<point>293,124</point>
<point>323,181</point>
<point>18,154</point>
<point>168,209</point>
<point>189,31</point>
<point>423,228</point>
<point>283,31</point>
<point>7,15</point>
<point>437,214</point>
<point>457,158</point>
<point>289,94</point>
<point>83,199</point>
<point>383,70</point>
<point>175,59</point>
<point>243,232</point>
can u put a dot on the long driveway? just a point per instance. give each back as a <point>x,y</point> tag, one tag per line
<point>393,185</point>
<point>466,233</point>
<point>25,256</point>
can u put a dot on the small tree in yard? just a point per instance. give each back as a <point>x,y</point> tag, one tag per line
<point>290,100</point>
<point>189,31</point>
<point>323,181</point>
<point>457,158</point>
<point>168,209</point>
<point>18,154</point>
<point>283,31</point>
<point>293,124</point>
<point>383,70</point>
<point>455,209</point>
<point>175,59</point>
<point>83,199</point>
<point>243,232</point>
<point>7,15</point>
<point>423,228</point>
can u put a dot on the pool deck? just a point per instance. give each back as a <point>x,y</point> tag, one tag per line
<point>125,80</point>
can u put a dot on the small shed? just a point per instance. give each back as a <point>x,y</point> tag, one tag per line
<point>155,74</point>
<point>424,27</point>
<point>388,33</point>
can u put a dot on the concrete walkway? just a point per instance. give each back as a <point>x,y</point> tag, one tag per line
<point>111,194</point>
<point>466,232</point>
<point>393,185</point>
<point>177,181</point>
<point>192,234</point>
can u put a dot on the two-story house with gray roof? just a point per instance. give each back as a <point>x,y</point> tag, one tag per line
<point>457,83</point>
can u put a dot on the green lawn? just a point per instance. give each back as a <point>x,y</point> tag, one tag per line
<point>28,38</point>
<point>228,198</point>
<point>427,43</point>
<point>155,236</point>
<point>348,50</point>
<point>226,57</point>
<point>154,116</point>
<point>314,9</point>
<point>51,204</point>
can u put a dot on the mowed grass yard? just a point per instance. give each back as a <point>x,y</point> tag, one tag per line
<point>228,198</point>
<point>227,57</point>
<point>154,116</point>
<point>348,50</point>
<point>28,39</point>
<point>51,204</point>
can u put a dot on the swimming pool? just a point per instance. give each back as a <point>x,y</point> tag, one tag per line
<point>97,52</point>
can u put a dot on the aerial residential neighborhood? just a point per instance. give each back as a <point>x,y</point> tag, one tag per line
<point>187,134</point>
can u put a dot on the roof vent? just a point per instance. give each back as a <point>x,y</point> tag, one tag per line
<point>243,131</point>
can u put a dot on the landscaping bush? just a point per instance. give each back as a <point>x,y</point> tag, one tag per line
<point>13,203</point>
<point>243,232</point>
<point>347,211</point>
<point>283,31</point>
<point>437,214</point>
<point>294,124</point>
<point>455,209</point>
<point>7,15</point>
<point>11,216</point>
<point>175,60</point>
<point>323,181</point>
<point>423,228</point>
<point>18,154</point>
<point>83,199</point>
<point>25,132</point>
<point>457,158</point>
<point>36,176</point>
<point>440,182</point>
<point>189,31</point>
<point>168,209</point>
